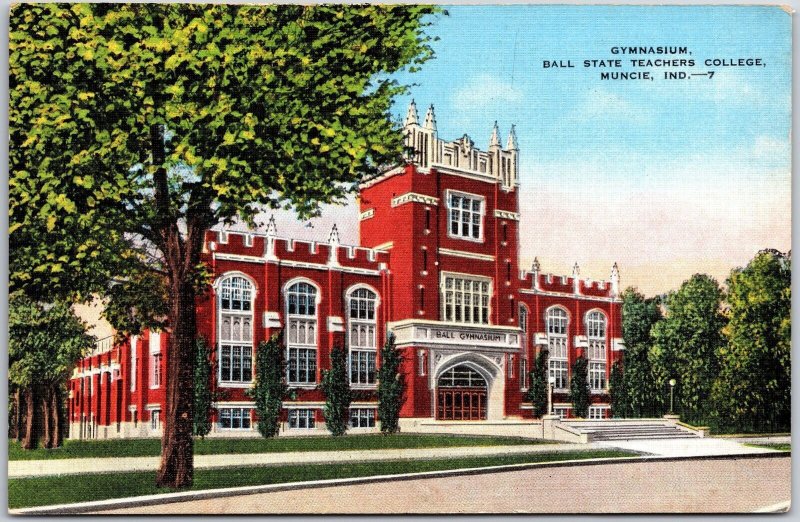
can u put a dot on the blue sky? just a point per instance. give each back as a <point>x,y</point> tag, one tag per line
<point>654,174</point>
<point>666,177</point>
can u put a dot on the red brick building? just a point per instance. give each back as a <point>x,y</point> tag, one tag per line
<point>437,265</point>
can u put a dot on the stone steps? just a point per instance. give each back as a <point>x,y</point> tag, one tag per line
<point>627,431</point>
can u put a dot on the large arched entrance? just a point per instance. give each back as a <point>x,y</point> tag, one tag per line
<point>461,394</point>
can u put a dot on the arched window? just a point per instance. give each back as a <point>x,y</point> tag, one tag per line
<point>557,322</point>
<point>301,341</point>
<point>362,335</point>
<point>596,334</point>
<point>235,330</point>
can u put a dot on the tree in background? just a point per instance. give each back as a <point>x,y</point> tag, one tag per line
<point>391,386</point>
<point>202,387</point>
<point>336,387</point>
<point>537,393</point>
<point>753,391</point>
<point>44,341</point>
<point>617,391</point>
<point>639,315</point>
<point>145,124</point>
<point>687,343</point>
<point>579,392</point>
<point>270,386</point>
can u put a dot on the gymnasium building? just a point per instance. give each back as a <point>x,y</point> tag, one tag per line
<point>437,265</point>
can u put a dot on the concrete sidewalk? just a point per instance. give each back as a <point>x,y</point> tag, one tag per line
<point>699,447</point>
<point>40,468</point>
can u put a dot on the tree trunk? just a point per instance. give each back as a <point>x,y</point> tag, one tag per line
<point>55,408</point>
<point>177,449</point>
<point>31,436</point>
<point>16,417</point>
<point>47,418</point>
<point>181,257</point>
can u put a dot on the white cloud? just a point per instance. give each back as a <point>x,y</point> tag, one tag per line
<point>486,89</point>
<point>771,147</point>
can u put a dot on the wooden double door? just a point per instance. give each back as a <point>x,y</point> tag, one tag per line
<point>461,395</point>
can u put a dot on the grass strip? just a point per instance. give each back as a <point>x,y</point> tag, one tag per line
<point>780,446</point>
<point>73,449</point>
<point>43,491</point>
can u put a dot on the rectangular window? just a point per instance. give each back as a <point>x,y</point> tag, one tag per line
<point>301,419</point>
<point>466,300</point>
<point>362,367</point>
<point>466,216</point>
<point>523,373</point>
<point>598,412</point>
<point>558,369</point>
<point>234,418</point>
<point>155,420</point>
<point>561,413</point>
<point>597,376</point>
<point>427,219</point>
<point>362,418</point>
<point>236,363</point>
<point>155,370</point>
<point>302,365</point>
<point>134,361</point>
<point>425,259</point>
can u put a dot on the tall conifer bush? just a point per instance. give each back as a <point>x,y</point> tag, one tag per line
<point>336,386</point>
<point>537,393</point>
<point>390,387</point>
<point>270,386</point>
<point>202,387</point>
<point>616,389</point>
<point>579,387</point>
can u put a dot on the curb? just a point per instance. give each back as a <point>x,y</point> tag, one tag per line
<point>168,498</point>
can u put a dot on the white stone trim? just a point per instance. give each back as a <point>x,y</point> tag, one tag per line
<point>413,197</point>
<point>467,255</point>
<point>384,246</point>
<point>505,214</point>
<point>366,214</point>
<point>582,297</point>
<point>272,320</point>
<point>335,324</point>
<point>617,344</point>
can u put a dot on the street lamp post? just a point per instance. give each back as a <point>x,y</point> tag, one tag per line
<point>551,382</point>
<point>671,390</point>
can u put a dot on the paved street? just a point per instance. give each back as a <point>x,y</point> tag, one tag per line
<point>710,486</point>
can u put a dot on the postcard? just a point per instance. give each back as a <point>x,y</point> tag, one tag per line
<point>399,259</point>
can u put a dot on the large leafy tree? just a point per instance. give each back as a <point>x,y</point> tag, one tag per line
<point>639,315</point>
<point>687,343</point>
<point>141,125</point>
<point>44,341</point>
<point>753,391</point>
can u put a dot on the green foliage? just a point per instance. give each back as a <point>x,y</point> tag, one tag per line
<point>579,392</point>
<point>753,391</point>
<point>139,302</point>
<point>391,386</point>
<point>617,391</point>
<point>270,386</point>
<point>687,343</point>
<point>202,387</point>
<point>44,341</point>
<point>537,393</point>
<point>336,386</point>
<point>639,315</point>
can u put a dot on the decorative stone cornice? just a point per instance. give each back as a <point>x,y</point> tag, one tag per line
<point>413,197</point>
<point>505,214</point>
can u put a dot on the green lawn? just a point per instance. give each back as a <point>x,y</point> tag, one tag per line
<point>776,446</point>
<point>152,447</point>
<point>80,488</point>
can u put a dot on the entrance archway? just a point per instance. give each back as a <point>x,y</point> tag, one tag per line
<point>461,394</point>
